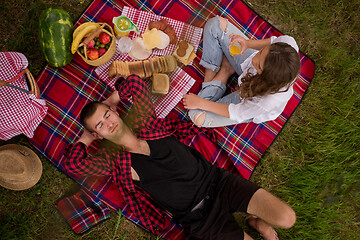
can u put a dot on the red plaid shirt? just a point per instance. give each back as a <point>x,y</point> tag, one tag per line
<point>118,163</point>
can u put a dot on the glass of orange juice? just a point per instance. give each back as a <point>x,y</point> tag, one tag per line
<point>123,26</point>
<point>235,49</point>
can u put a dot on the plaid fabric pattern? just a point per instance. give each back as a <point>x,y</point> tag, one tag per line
<point>180,84</point>
<point>82,211</point>
<point>237,148</point>
<point>20,112</point>
<point>118,163</point>
<point>180,81</point>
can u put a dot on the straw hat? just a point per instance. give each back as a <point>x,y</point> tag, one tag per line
<point>20,167</point>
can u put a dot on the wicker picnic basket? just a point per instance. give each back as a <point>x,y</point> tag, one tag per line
<point>107,55</point>
<point>30,81</point>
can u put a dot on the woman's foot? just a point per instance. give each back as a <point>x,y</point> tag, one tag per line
<point>263,228</point>
<point>226,70</point>
<point>226,66</point>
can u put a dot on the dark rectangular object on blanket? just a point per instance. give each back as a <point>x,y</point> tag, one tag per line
<point>237,148</point>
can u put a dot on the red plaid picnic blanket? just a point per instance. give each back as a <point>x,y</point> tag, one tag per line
<point>237,148</point>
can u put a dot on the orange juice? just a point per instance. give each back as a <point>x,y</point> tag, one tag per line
<point>123,24</point>
<point>235,49</point>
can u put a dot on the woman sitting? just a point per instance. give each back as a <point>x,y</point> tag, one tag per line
<point>267,69</point>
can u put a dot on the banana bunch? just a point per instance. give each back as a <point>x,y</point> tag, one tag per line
<point>80,32</point>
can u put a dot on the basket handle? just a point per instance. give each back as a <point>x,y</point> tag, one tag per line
<point>3,82</point>
<point>93,35</point>
<point>33,85</point>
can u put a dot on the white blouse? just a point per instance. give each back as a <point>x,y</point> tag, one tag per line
<point>265,108</point>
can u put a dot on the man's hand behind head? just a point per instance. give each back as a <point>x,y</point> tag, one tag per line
<point>113,100</point>
<point>88,137</point>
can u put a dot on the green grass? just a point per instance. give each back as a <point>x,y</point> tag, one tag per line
<point>313,165</point>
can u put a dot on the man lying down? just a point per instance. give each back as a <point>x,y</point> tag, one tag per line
<point>155,171</point>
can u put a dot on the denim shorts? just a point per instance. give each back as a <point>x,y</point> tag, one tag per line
<point>215,45</point>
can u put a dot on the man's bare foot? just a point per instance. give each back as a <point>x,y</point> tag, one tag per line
<point>263,228</point>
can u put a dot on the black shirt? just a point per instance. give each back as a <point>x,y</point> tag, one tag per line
<point>176,176</point>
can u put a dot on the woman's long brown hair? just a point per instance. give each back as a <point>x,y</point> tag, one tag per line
<point>282,65</point>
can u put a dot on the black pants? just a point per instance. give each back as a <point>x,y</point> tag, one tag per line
<point>215,220</point>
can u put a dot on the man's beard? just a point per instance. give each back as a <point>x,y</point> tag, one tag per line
<point>118,134</point>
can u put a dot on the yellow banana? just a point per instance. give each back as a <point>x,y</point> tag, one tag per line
<point>82,26</point>
<point>80,35</point>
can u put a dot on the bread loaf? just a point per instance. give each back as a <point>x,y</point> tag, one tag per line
<point>136,68</point>
<point>160,84</point>
<point>144,68</point>
<point>112,69</point>
<point>171,63</point>
<point>147,68</point>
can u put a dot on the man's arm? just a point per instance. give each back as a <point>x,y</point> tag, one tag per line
<point>87,137</point>
<point>78,161</point>
<point>113,100</point>
<point>143,110</point>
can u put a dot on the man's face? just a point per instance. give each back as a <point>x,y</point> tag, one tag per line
<point>106,123</point>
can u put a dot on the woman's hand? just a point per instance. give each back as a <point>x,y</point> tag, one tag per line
<point>192,101</point>
<point>237,38</point>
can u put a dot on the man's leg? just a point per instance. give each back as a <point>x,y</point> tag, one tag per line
<point>270,212</point>
<point>245,196</point>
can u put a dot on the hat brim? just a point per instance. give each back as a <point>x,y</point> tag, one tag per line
<point>36,171</point>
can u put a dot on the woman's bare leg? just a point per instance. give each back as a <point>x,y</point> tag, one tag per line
<point>209,75</point>
<point>226,70</point>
